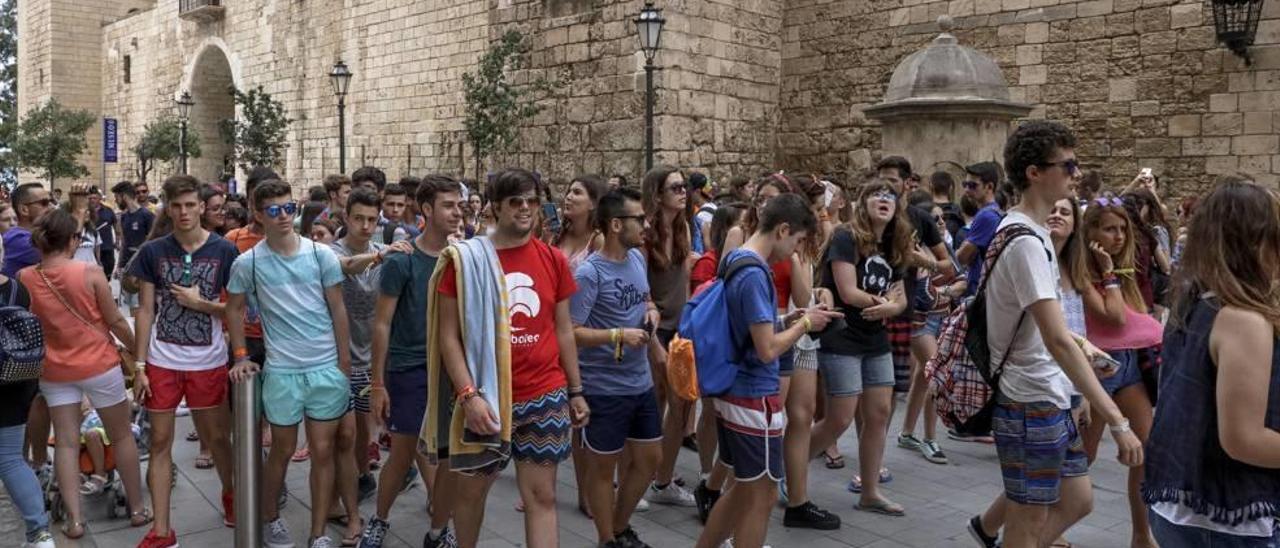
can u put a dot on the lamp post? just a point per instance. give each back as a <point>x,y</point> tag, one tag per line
<point>1236,24</point>
<point>649,26</point>
<point>184,103</point>
<point>340,77</point>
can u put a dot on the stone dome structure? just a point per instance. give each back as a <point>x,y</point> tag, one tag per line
<point>947,78</point>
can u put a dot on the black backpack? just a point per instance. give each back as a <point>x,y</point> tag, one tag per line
<point>21,341</point>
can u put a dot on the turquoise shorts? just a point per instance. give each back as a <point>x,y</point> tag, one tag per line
<point>318,394</point>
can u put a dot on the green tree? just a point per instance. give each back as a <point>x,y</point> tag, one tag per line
<point>159,143</point>
<point>50,138</point>
<point>8,90</point>
<point>495,107</point>
<point>258,136</point>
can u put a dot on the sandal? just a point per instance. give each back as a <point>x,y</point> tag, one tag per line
<point>193,436</point>
<point>520,505</point>
<point>70,526</point>
<point>93,486</point>
<point>833,463</point>
<point>1060,543</point>
<point>140,518</point>
<point>354,538</point>
<point>301,455</point>
<point>204,462</point>
<point>855,484</point>
<point>882,506</point>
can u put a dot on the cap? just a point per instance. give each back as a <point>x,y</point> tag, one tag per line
<point>698,181</point>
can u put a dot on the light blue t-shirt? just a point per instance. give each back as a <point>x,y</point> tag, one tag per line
<point>289,293</point>
<point>612,294</point>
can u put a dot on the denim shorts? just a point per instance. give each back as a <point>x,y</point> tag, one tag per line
<point>1128,375</point>
<point>1038,445</point>
<point>318,394</point>
<point>927,324</point>
<point>849,375</point>
<point>1172,535</point>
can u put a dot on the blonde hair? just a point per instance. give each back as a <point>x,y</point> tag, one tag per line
<point>1125,259</point>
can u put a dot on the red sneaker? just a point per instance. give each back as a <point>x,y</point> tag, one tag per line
<point>229,509</point>
<point>375,454</point>
<point>152,540</point>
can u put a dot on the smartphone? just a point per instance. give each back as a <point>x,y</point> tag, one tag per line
<point>1105,364</point>
<point>552,216</point>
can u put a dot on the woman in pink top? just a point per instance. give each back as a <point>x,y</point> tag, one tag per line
<point>78,315</point>
<point>1116,321</point>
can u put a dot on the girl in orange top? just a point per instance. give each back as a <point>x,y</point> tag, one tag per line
<point>78,316</point>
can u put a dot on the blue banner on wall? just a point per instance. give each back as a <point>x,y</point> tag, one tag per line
<point>109,140</point>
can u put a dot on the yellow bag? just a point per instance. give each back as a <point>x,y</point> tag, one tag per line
<point>682,370</point>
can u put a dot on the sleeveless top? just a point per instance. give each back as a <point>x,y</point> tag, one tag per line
<point>1073,309</point>
<point>782,282</point>
<point>1188,473</point>
<point>1139,331</point>
<point>580,256</point>
<point>73,351</point>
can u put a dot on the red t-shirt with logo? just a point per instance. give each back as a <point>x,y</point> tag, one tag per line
<point>538,278</point>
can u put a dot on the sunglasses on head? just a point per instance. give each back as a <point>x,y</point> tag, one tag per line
<point>1111,201</point>
<point>186,270</point>
<point>287,208</point>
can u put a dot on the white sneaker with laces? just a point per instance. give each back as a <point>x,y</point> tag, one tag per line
<point>278,535</point>
<point>671,495</point>
<point>44,539</point>
<point>322,542</point>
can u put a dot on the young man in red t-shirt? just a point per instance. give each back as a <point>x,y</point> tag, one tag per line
<point>544,359</point>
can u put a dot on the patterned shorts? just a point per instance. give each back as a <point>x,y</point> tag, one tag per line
<point>361,379</point>
<point>1038,445</point>
<point>899,330</point>
<point>541,429</point>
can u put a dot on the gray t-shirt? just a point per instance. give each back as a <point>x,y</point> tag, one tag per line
<point>359,293</point>
<point>612,294</point>
<point>1026,273</point>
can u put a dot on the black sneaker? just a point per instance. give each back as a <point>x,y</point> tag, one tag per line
<point>445,540</point>
<point>629,539</point>
<point>704,499</point>
<point>809,516</point>
<point>975,531</point>
<point>366,486</point>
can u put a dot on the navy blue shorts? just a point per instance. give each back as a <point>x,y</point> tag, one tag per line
<point>408,393</point>
<point>750,434</point>
<point>787,363</point>
<point>615,420</point>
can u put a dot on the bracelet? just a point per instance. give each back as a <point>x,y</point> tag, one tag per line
<point>1121,427</point>
<point>808,324</point>
<point>466,392</point>
<point>575,391</point>
<point>240,353</point>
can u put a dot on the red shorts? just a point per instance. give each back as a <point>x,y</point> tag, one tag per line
<point>203,389</point>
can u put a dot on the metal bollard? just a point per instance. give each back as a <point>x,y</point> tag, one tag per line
<point>248,465</point>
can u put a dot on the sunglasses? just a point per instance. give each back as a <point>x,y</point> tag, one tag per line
<point>186,270</point>
<point>884,195</point>
<point>678,188</point>
<point>970,185</point>
<point>1106,201</point>
<point>523,201</point>
<point>1071,166</point>
<point>44,202</point>
<point>631,217</point>
<point>287,208</point>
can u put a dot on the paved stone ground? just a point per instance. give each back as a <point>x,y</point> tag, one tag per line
<point>938,500</point>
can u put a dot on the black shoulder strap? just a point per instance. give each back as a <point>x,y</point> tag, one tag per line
<point>389,232</point>
<point>999,243</point>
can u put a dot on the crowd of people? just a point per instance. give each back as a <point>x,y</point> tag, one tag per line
<point>457,330</point>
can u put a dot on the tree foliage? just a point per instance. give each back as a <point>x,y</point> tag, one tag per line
<point>8,91</point>
<point>258,136</point>
<point>49,139</point>
<point>159,143</point>
<point>496,107</point>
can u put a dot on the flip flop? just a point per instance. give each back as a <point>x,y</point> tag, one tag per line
<point>855,484</point>
<point>1060,543</point>
<point>193,436</point>
<point>833,463</point>
<point>353,540</point>
<point>881,507</point>
<point>140,518</point>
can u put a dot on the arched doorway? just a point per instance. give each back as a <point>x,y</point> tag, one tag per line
<point>210,82</point>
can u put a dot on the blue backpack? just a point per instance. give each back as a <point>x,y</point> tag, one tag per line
<point>705,322</point>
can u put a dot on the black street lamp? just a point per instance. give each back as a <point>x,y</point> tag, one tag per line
<point>184,103</point>
<point>649,26</point>
<point>340,77</point>
<point>1236,23</point>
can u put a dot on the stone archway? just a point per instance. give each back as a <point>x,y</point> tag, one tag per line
<point>210,79</point>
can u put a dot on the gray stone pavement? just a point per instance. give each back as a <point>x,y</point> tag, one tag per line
<point>938,498</point>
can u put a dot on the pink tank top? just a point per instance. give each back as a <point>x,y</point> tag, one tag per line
<point>1139,331</point>
<point>73,351</point>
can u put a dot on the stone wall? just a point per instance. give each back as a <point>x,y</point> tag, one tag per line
<point>1142,82</point>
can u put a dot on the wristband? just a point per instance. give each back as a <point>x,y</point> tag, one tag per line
<point>1121,427</point>
<point>575,391</point>
<point>808,324</point>
<point>466,392</point>
<point>240,353</point>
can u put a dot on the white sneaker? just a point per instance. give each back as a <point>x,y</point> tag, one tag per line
<point>671,495</point>
<point>642,506</point>
<point>44,539</point>
<point>278,535</point>
<point>728,543</point>
<point>322,542</point>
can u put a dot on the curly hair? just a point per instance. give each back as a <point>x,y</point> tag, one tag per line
<point>898,233</point>
<point>1032,144</point>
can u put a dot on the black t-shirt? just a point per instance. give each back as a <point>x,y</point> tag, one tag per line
<point>926,228</point>
<point>15,399</point>
<point>875,275</point>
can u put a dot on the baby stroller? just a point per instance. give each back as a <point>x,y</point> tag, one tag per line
<point>112,494</point>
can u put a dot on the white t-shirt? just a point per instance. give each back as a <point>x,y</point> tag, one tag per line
<point>705,212</point>
<point>1025,274</point>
